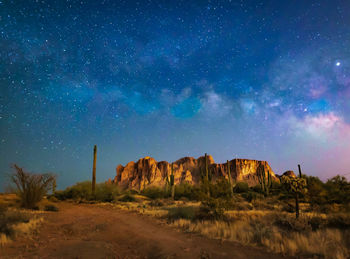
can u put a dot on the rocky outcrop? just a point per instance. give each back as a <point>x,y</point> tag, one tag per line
<point>289,173</point>
<point>148,172</point>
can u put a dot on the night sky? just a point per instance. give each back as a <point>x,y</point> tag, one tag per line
<point>266,80</point>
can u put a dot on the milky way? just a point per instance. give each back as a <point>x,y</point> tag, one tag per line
<point>245,79</point>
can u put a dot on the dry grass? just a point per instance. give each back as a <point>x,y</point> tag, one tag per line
<point>14,222</point>
<point>257,228</point>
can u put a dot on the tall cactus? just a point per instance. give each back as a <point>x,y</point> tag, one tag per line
<point>265,184</point>
<point>207,179</point>
<point>172,182</point>
<point>229,177</point>
<point>94,172</point>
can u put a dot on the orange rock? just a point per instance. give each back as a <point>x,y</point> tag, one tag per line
<point>148,172</point>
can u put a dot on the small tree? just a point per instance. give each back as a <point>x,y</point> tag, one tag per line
<point>296,186</point>
<point>31,188</point>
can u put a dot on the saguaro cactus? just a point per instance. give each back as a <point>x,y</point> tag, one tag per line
<point>229,177</point>
<point>264,183</point>
<point>299,171</point>
<point>207,177</point>
<point>172,182</point>
<point>94,172</point>
<point>296,186</point>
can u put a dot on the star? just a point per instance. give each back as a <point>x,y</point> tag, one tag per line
<point>338,64</point>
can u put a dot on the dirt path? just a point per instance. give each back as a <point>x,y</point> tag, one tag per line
<point>91,231</point>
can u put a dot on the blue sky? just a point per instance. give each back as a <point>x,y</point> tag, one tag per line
<point>235,79</point>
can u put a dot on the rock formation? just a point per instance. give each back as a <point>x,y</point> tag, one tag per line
<point>148,172</point>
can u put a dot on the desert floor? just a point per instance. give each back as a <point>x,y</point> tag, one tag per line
<point>95,231</point>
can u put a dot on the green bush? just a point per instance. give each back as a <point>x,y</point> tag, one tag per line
<point>82,191</point>
<point>154,193</point>
<point>241,187</point>
<point>186,190</point>
<point>250,196</point>
<point>106,192</point>
<point>221,189</point>
<point>213,208</point>
<point>187,212</point>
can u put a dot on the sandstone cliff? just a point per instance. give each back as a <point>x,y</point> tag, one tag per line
<point>148,172</point>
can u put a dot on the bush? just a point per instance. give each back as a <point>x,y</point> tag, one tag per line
<point>187,212</point>
<point>186,190</point>
<point>10,218</point>
<point>81,190</point>
<point>154,193</point>
<point>250,196</point>
<point>241,187</point>
<point>51,207</point>
<point>104,192</point>
<point>31,188</point>
<point>221,189</point>
<point>341,221</point>
<point>288,223</point>
<point>213,208</point>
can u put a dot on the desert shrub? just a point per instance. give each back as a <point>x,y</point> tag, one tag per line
<point>106,192</point>
<point>338,190</point>
<point>256,188</point>
<point>50,207</point>
<point>241,187</point>
<point>214,208</point>
<point>81,190</point>
<point>186,190</point>
<point>250,196</point>
<point>288,223</point>
<point>221,189</point>
<point>31,188</point>
<point>154,193</point>
<point>10,218</point>
<point>187,212</point>
<point>316,194</point>
<point>317,222</point>
<point>341,221</point>
<point>127,198</point>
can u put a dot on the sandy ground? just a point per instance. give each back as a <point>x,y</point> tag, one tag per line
<point>93,231</point>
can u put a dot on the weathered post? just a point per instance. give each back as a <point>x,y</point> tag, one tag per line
<point>94,172</point>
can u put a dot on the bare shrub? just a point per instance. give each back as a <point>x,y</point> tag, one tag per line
<point>31,188</point>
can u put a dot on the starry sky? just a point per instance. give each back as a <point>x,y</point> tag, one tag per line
<point>266,80</point>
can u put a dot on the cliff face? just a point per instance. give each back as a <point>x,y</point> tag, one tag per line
<point>148,172</point>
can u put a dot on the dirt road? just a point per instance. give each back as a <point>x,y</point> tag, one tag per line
<point>92,231</point>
